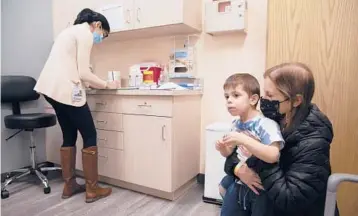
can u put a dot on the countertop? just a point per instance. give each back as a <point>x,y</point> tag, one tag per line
<point>153,92</point>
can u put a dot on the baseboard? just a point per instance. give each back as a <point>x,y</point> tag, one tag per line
<point>200,178</point>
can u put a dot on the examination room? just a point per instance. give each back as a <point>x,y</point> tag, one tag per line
<point>179,107</point>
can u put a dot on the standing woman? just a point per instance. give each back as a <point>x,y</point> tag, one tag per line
<point>62,82</point>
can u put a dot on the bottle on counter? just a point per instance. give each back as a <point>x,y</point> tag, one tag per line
<point>135,76</point>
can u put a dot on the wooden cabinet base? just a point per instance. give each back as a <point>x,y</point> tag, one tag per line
<point>145,190</point>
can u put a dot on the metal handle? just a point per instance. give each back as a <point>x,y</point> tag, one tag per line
<point>163,128</point>
<point>128,16</point>
<point>101,103</point>
<point>102,139</point>
<point>138,9</point>
<point>101,121</point>
<point>333,182</point>
<point>144,105</point>
<point>101,156</point>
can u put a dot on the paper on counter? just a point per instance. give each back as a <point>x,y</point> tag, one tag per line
<point>172,86</point>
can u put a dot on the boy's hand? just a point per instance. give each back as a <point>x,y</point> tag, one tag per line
<point>234,138</point>
<point>237,138</point>
<point>219,145</point>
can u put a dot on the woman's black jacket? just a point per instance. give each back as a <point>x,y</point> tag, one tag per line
<point>297,184</point>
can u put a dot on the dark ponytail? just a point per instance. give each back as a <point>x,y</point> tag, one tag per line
<point>89,16</point>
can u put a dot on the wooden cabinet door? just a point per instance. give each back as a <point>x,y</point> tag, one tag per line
<point>148,151</point>
<point>53,141</point>
<point>152,13</point>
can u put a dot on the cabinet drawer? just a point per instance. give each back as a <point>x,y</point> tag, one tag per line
<point>156,106</point>
<point>110,139</point>
<point>104,103</point>
<point>110,163</point>
<point>108,121</point>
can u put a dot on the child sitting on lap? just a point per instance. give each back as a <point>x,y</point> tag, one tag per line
<point>251,130</point>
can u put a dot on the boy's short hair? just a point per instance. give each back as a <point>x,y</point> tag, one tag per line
<point>248,82</point>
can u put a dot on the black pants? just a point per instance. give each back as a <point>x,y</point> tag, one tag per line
<point>73,119</point>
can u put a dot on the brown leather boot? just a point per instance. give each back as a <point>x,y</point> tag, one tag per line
<point>90,170</point>
<point>68,163</point>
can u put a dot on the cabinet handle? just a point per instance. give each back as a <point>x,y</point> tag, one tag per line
<point>138,9</point>
<point>163,128</point>
<point>128,16</point>
<point>102,139</point>
<point>101,156</point>
<point>101,121</point>
<point>144,105</point>
<point>101,103</point>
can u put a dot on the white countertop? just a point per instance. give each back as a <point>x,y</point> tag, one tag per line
<point>148,92</point>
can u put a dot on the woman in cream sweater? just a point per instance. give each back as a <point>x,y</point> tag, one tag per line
<point>62,84</point>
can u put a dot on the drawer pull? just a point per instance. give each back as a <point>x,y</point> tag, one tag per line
<point>101,156</point>
<point>101,121</point>
<point>102,139</point>
<point>101,103</point>
<point>144,105</point>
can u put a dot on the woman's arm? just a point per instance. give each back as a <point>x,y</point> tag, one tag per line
<point>267,153</point>
<point>84,47</point>
<point>302,182</point>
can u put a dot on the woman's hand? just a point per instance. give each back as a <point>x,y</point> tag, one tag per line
<point>112,84</point>
<point>248,177</point>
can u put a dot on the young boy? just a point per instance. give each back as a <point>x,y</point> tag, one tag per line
<point>252,134</point>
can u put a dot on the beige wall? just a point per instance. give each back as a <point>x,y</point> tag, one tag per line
<point>218,57</point>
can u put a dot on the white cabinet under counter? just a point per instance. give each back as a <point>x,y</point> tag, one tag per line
<point>150,142</point>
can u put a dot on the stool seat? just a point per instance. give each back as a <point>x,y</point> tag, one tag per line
<point>30,121</point>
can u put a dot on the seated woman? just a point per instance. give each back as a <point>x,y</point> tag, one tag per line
<point>297,184</point>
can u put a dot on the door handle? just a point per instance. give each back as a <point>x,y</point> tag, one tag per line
<point>163,132</point>
<point>138,18</point>
<point>128,16</point>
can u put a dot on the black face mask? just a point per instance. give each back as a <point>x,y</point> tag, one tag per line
<point>270,109</point>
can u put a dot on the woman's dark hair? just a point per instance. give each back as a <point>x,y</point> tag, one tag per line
<point>87,15</point>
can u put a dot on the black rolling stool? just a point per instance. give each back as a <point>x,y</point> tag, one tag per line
<point>16,89</point>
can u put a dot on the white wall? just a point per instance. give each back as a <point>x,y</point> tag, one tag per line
<point>26,39</point>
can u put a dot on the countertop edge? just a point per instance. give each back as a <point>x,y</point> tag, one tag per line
<point>144,92</point>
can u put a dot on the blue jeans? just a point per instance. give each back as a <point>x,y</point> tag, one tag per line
<point>240,200</point>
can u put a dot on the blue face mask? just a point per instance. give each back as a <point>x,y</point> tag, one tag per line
<point>97,38</point>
